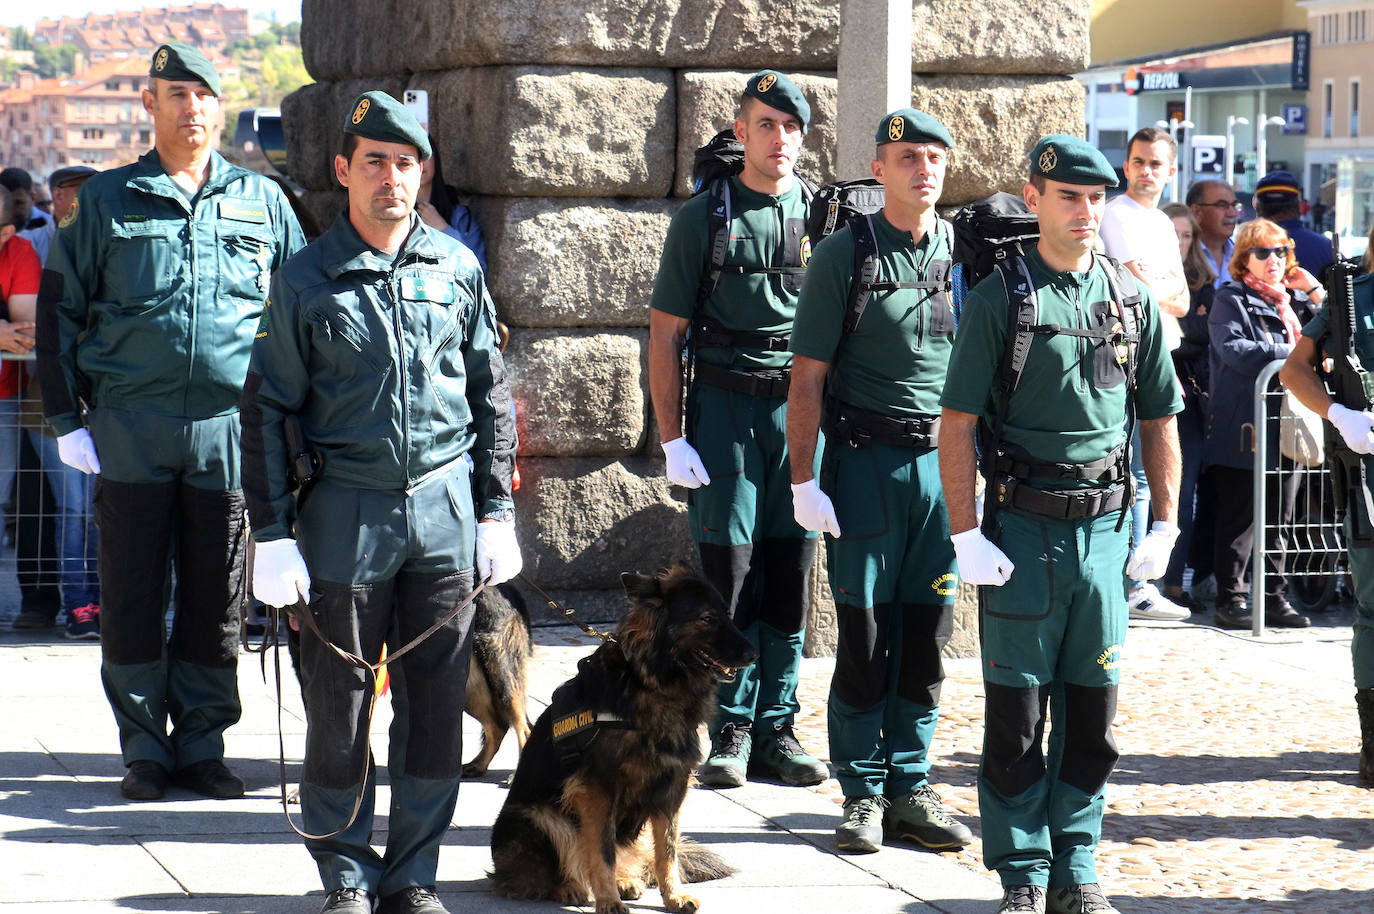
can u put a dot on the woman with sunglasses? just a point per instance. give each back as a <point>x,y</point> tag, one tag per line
<point>1253,321</point>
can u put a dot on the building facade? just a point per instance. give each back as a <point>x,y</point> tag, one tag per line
<point>1340,147</point>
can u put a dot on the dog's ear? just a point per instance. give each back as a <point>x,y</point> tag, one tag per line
<point>640,586</point>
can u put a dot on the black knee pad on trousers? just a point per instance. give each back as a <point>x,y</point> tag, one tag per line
<point>727,568</point>
<point>211,545</point>
<point>860,678</point>
<point>1090,752</point>
<point>136,527</point>
<point>1013,740</point>
<point>786,582</point>
<point>926,630</point>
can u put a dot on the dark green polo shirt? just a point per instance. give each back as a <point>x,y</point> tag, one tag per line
<point>894,361</point>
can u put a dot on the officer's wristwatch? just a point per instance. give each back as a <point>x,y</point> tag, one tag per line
<point>504,515</point>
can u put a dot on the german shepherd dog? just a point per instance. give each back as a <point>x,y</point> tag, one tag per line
<point>501,648</point>
<point>614,753</point>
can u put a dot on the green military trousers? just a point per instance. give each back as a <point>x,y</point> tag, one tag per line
<point>384,567</point>
<point>1052,636</point>
<point>751,549</point>
<point>894,579</point>
<point>169,493</point>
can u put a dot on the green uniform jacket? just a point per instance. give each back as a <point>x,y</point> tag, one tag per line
<point>894,361</point>
<point>762,228</point>
<point>150,300</point>
<point>392,366</point>
<point>1070,405</point>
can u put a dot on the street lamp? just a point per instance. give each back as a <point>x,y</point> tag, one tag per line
<point>1172,125</point>
<point>1262,125</point>
<point>1231,122</point>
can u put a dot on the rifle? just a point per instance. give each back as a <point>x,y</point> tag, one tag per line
<point>1353,387</point>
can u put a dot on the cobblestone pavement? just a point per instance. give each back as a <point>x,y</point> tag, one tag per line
<point>1236,790</point>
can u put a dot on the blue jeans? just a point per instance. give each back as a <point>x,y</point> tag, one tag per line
<point>76,532</point>
<point>9,446</point>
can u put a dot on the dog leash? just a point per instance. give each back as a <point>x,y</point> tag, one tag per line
<point>567,612</point>
<point>302,613</point>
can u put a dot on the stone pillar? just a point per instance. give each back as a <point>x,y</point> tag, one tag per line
<point>874,75</point>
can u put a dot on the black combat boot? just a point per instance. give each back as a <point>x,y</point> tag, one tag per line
<point>1364,700</point>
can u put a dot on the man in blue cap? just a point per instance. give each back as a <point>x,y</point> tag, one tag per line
<point>1278,198</point>
<point>381,342</point>
<point>872,339</point>
<point>1059,352</point>
<point>732,452</point>
<point>155,282</point>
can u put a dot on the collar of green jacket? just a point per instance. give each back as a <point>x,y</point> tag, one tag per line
<point>149,176</point>
<point>346,252</point>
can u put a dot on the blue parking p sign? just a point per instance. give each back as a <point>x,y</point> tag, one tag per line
<point>1295,120</point>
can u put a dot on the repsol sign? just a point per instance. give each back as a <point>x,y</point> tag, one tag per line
<point>1155,81</point>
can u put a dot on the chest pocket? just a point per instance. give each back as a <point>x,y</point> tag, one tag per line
<point>1109,353</point>
<point>941,304</point>
<point>434,305</point>
<point>143,255</point>
<point>794,233</point>
<point>344,343</point>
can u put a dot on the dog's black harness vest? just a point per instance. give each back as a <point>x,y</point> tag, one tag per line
<point>579,717</point>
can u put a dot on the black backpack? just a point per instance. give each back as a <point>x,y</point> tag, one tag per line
<point>988,231</point>
<point>835,204</point>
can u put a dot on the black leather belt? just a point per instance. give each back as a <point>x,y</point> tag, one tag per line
<point>1107,471</point>
<point>713,334</point>
<point>1067,504</point>
<point>859,427</point>
<point>769,385</point>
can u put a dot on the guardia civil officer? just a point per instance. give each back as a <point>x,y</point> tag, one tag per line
<point>381,340</point>
<point>733,455</point>
<point>154,285</point>
<point>1055,548</point>
<point>1356,428</point>
<point>875,389</point>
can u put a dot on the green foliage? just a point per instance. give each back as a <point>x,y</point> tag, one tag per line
<point>270,68</point>
<point>20,39</point>
<point>52,61</point>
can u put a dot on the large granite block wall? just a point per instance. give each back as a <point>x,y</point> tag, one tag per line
<point>571,127</point>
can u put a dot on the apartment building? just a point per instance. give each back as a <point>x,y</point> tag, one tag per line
<point>1340,145</point>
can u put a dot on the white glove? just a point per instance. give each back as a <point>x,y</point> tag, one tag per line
<point>77,451</point>
<point>980,562</point>
<point>280,577</point>
<point>498,554</point>
<point>1150,559</point>
<point>813,509</point>
<point>684,464</point>
<point>1356,427</point>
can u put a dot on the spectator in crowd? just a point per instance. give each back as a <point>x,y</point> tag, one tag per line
<point>1252,322</point>
<point>1213,204</point>
<point>153,332</point>
<point>42,200</point>
<point>19,276</point>
<point>1278,198</point>
<point>438,206</point>
<point>1194,546</point>
<point>34,225</point>
<point>1136,233</point>
<point>71,549</point>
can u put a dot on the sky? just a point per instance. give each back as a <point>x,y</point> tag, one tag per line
<point>286,10</point>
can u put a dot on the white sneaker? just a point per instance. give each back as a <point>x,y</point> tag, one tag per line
<point>1205,589</point>
<point>1148,603</point>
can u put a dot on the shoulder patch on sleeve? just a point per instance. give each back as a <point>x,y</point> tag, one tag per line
<point>70,216</point>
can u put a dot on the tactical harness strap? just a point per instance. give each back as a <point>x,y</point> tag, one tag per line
<point>718,219</point>
<point>768,384</point>
<point>1007,469</point>
<point>866,264</point>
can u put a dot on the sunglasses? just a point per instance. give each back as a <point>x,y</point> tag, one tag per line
<point>1233,205</point>
<point>1266,253</point>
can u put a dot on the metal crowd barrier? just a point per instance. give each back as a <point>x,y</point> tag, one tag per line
<point>1314,557</point>
<point>32,521</point>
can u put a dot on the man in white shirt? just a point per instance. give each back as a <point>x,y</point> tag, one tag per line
<point>1137,233</point>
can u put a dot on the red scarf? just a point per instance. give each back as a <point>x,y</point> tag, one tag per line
<point>1276,297</point>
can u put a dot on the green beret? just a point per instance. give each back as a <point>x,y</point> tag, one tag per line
<point>777,91</point>
<point>378,116</point>
<point>907,125</point>
<point>1068,159</point>
<point>182,62</point>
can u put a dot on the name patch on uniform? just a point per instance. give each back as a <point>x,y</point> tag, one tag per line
<point>241,212</point>
<point>426,288</point>
<point>134,217</point>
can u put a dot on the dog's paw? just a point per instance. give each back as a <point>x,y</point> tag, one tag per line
<point>611,906</point>
<point>570,894</point>
<point>628,888</point>
<point>684,904</point>
<point>472,772</point>
<point>293,796</point>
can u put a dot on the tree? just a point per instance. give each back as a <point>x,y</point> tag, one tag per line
<point>52,61</point>
<point>20,39</point>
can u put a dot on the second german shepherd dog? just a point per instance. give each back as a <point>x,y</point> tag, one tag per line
<point>614,752</point>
